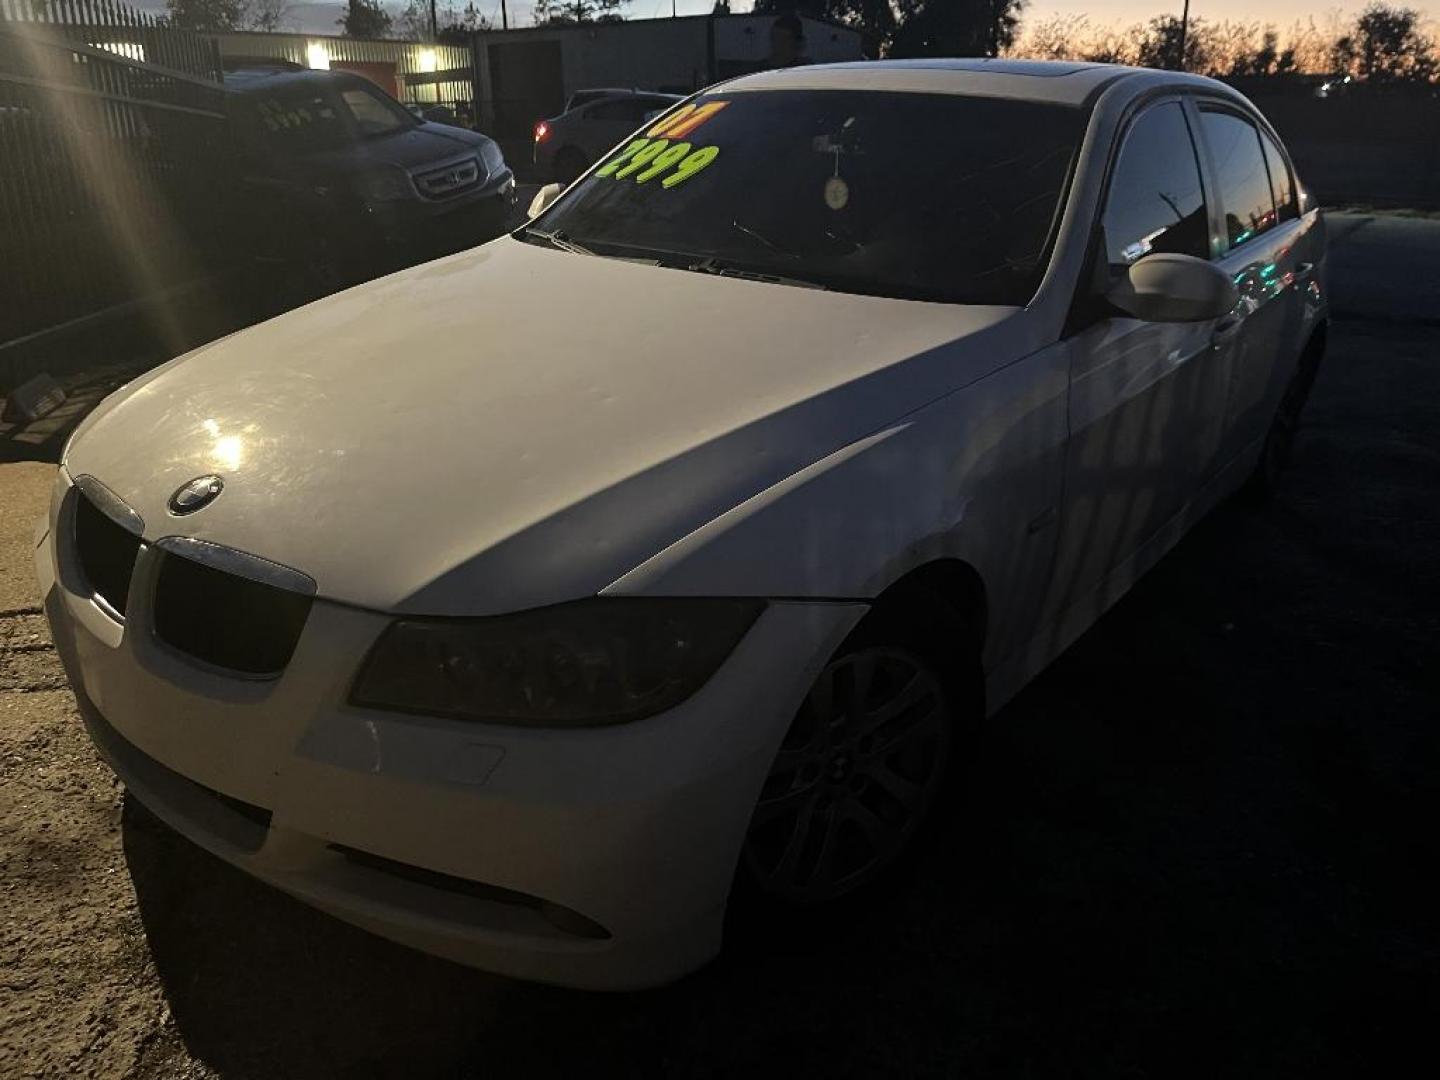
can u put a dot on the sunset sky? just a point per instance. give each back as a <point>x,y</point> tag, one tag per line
<point>320,17</point>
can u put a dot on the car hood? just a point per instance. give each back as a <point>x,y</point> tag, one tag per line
<point>427,144</point>
<point>515,425</point>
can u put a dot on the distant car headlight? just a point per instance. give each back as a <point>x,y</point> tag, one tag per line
<point>386,185</point>
<point>492,157</point>
<point>599,661</point>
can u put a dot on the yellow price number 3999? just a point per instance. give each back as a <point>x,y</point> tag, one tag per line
<point>645,159</point>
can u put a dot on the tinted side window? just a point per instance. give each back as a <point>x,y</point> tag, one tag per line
<point>1240,174</point>
<point>1282,184</point>
<point>630,110</point>
<point>1156,202</point>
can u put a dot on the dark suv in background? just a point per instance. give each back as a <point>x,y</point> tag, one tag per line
<point>340,179</point>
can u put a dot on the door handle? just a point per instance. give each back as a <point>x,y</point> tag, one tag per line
<point>1226,327</point>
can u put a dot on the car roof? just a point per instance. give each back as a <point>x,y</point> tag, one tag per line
<point>612,95</point>
<point>257,79</point>
<point>1058,81</point>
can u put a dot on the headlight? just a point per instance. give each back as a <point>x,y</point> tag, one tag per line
<point>386,185</point>
<point>600,661</point>
<point>492,157</point>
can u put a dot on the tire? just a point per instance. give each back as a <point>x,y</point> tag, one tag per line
<point>1280,439</point>
<point>861,770</point>
<point>569,164</point>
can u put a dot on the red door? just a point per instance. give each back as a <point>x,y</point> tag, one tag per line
<point>382,75</point>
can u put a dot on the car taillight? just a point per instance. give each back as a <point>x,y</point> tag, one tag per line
<point>542,130</point>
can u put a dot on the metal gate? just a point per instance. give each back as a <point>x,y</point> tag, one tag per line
<point>111,141</point>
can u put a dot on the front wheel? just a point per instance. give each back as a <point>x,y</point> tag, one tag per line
<point>1280,439</point>
<point>855,777</point>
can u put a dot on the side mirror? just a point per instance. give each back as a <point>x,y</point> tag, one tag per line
<point>1165,287</point>
<point>543,198</point>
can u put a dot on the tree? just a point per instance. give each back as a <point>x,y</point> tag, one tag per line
<point>1249,58</point>
<point>1113,45</point>
<point>874,19</point>
<point>1159,45</point>
<point>365,19</point>
<point>265,15</point>
<point>560,12</point>
<point>457,26</point>
<point>814,9</point>
<point>413,22</point>
<point>1386,46</point>
<point>955,27</point>
<point>1223,49</point>
<point>915,27</point>
<point>1060,37</point>
<point>210,16</point>
<point>1311,46</point>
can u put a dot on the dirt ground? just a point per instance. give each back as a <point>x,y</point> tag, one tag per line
<point>1202,843</point>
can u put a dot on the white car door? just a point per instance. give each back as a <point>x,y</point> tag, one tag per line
<point>1147,400</point>
<point>1260,225</point>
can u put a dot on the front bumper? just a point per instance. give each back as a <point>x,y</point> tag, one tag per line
<point>604,855</point>
<point>418,227</point>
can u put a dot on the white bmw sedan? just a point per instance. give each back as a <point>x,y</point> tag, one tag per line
<point>520,605</point>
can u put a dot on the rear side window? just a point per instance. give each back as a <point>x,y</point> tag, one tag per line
<point>1156,202</point>
<point>630,110</point>
<point>1282,183</point>
<point>1240,173</point>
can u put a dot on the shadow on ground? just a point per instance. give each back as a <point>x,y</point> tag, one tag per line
<point>1201,842</point>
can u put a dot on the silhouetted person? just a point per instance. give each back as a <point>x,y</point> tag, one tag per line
<point>787,43</point>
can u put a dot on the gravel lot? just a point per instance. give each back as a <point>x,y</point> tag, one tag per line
<point>1203,842</point>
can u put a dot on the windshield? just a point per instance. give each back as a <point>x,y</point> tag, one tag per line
<point>925,196</point>
<point>374,113</point>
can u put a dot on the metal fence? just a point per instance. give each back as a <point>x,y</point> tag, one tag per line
<point>424,74</point>
<point>111,140</point>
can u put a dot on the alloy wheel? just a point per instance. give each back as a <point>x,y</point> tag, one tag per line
<point>853,779</point>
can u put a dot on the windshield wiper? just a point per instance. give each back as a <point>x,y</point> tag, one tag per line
<point>765,240</point>
<point>561,240</point>
<point>720,268</point>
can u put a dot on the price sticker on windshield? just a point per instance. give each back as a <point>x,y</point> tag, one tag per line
<point>664,150</point>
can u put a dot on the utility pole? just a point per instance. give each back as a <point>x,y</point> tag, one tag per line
<point>432,20</point>
<point>504,17</point>
<point>1184,29</point>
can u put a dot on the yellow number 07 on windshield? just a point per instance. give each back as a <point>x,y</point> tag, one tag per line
<point>656,152</point>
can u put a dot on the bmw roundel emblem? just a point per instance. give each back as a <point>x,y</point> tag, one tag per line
<point>195,495</point>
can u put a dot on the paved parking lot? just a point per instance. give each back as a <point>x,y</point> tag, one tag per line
<point>1202,842</point>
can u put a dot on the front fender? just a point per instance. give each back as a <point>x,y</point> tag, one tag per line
<point>973,476</point>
